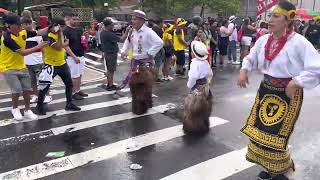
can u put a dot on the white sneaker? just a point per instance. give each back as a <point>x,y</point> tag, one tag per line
<point>170,78</point>
<point>229,62</point>
<point>34,99</point>
<point>30,115</point>
<point>16,114</point>
<point>235,63</point>
<point>47,99</point>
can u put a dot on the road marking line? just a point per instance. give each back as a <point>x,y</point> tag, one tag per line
<point>217,168</point>
<point>82,125</point>
<point>53,92</point>
<point>98,154</point>
<point>94,55</point>
<point>64,99</point>
<point>120,101</point>
<point>92,61</point>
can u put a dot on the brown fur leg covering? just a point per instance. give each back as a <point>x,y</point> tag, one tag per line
<point>141,91</point>
<point>197,110</point>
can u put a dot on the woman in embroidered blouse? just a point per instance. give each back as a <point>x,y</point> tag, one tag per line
<point>289,63</point>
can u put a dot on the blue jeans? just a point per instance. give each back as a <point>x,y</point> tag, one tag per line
<point>232,50</point>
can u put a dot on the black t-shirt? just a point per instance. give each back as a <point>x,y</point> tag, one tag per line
<point>109,41</point>
<point>158,30</point>
<point>74,36</point>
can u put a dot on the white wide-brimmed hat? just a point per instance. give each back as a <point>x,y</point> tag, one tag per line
<point>199,50</point>
<point>232,18</point>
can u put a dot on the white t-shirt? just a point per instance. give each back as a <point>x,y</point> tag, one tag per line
<point>36,57</point>
<point>233,36</point>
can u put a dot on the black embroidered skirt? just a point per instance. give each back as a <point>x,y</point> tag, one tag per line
<point>270,125</point>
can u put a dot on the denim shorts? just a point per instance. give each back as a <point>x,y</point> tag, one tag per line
<point>18,80</point>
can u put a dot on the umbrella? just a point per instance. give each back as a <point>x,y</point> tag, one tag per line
<point>303,14</point>
<point>3,10</point>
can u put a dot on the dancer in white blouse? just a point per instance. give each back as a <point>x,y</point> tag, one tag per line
<point>289,63</point>
<point>199,102</point>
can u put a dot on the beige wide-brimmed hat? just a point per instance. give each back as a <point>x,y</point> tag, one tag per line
<point>199,50</point>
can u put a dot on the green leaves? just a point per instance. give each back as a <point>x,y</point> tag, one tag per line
<point>94,3</point>
<point>172,7</point>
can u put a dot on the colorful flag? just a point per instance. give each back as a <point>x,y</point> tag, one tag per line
<point>264,5</point>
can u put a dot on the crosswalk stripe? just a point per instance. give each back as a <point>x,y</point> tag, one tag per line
<point>120,101</point>
<point>83,125</point>
<point>92,61</point>
<point>94,55</point>
<point>64,99</point>
<point>98,154</point>
<point>216,168</point>
<point>53,92</point>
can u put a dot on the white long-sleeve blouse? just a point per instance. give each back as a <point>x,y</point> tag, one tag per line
<point>298,60</point>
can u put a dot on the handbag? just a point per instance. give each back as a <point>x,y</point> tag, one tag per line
<point>240,34</point>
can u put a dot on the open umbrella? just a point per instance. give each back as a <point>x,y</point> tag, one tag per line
<point>303,14</point>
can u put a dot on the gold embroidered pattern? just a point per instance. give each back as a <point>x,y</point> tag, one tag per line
<point>274,162</point>
<point>272,110</point>
<point>293,113</point>
<point>275,141</point>
<point>253,114</point>
<point>269,140</point>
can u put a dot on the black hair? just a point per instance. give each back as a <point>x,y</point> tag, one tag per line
<point>284,4</point>
<point>25,20</point>
<point>158,20</point>
<point>11,19</point>
<point>264,25</point>
<point>58,21</point>
<point>224,22</point>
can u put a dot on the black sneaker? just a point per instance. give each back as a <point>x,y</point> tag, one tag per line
<point>77,96</point>
<point>71,107</point>
<point>112,88</point>
<point>280,177</point>
<point>40,111</point>
<point>263,175</point>
<point>81,93</point>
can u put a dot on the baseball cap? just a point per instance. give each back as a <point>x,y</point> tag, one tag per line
<point>107,22</point>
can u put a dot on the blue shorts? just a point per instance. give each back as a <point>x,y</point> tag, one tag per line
<point>181,57</point>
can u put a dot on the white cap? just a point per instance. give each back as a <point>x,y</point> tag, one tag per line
<point>199,50</point>
<point>139,14</point>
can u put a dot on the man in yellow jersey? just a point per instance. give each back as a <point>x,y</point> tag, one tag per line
<point>179,45</point>
<point>13,48</point>
<point>54,56</point>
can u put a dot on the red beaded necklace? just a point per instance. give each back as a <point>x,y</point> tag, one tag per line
<point>271,53</point>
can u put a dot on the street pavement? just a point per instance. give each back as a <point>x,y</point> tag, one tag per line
<point>104,139</point>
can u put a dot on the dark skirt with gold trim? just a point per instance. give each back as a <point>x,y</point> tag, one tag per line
<point>197,110</point>
<point>271,123</point>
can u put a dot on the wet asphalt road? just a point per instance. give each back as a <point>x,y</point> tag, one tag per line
<point>95,148</point>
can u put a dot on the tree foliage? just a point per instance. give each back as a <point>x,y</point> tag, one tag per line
<point>172,7</point>
<point>7,4</point>
<point>94,3</point>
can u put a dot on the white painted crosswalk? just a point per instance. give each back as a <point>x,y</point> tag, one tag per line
<point>48,130</point>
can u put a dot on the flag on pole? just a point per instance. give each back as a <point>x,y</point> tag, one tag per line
<point>264,5</point>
